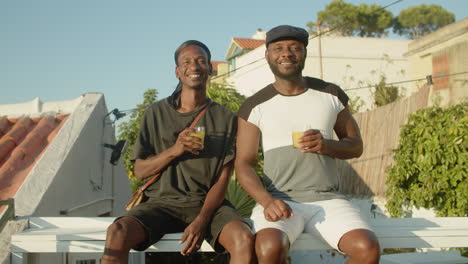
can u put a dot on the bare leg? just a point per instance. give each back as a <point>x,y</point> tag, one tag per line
<point>361,245</point>
<point>271,246</point>
<point>122,235</point>
<point>237,238</point>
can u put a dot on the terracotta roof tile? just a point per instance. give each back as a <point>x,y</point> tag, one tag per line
<point>245,43</point>
<point>22,142</point>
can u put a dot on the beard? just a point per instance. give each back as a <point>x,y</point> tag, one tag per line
<point>290,75</point>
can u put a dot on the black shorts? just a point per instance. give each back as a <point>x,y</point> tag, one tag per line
<point>158,220</point>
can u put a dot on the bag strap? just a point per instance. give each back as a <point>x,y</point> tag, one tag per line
<point>200,115</point>
<point>192,125</point>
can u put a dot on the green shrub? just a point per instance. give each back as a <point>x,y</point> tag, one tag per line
<point>430,163</point>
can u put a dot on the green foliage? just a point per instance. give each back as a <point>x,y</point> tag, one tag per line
<point>355,104</point>
<point>373,21</point>
<point>385,94</point>
<point>239,198</point>
<point>129,131</point>
<point>226,96</point>
<point>430,167</point>
<point>418,21</point>
<point>351,20</point>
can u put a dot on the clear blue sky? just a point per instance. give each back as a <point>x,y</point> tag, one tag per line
<point>60,49</point>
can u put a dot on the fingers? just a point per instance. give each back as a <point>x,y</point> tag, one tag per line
<point>311,141</point>
<point>192,244</point>
<point>277,209</point>
<point>189,143</point>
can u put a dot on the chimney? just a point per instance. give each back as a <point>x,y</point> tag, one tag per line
<point>260,34</point>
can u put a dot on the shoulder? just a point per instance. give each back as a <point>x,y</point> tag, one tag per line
<point>220,112</point>
<point>158,106</point>
<point>327,87</point>
<point>258,98</point>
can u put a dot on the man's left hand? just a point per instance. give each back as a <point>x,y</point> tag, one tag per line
<point>312,141</point>
<point>193,236</point>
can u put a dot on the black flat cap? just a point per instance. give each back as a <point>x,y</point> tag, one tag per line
<point>284,32</point>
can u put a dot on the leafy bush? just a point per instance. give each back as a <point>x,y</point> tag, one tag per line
<point>430,164</point>
<point>129,132</point>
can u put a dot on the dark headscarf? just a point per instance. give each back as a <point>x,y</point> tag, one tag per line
<point>175,96</point>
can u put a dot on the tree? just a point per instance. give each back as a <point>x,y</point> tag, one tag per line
<point>373,21</point>
<point>350,20</point>
<point>129,132</point>
<point>417,21</point>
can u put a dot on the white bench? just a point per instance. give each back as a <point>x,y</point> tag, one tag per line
<point>87,234</point>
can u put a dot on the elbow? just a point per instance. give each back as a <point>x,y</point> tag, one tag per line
<point>359,152</point>
<point>138,174</point>
<point>137,171</point>
<point>359,149</point>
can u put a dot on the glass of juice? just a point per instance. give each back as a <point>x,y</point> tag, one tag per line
<point>296,135</point>
<point>199,132</point>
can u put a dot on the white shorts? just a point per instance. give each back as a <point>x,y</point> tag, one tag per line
<point>329,219</point>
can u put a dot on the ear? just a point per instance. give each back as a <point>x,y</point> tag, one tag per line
<point>210,69</point>
<point>177,72</point>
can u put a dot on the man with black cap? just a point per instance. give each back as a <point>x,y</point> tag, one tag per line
<point>189,195</point>
<point>301,181</point>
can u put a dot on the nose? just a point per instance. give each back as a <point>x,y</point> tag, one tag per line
<point>194,65</point>
<point>287,53</point>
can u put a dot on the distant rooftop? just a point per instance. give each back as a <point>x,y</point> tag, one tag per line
<point>246,43</point>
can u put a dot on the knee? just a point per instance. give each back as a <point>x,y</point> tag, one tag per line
<point>243,243</point>
<point>271,251</point>
<point>118,229</point>
<point>368,250</point>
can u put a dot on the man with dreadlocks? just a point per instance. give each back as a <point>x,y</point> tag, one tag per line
<point>189,195</point>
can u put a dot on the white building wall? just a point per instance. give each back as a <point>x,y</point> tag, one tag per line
<point>73,177</point>
<point>349,62</point>
<point>75,169</point>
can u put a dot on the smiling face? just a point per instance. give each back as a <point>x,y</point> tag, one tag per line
<point>193,67</point>
<point>286,58</point>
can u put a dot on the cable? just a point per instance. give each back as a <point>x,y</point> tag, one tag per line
<point>310,38</point>
<point>119,114</point>
<point>407,81</point>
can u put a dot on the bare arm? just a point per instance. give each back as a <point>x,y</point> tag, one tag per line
<point>145,168</point>
<point>248,139</point>
<point>349,144</point>
<point>195,232</point>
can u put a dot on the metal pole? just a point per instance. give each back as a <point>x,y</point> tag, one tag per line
<point>319,48</point>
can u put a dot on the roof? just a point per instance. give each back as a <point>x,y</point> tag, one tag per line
<point>22,141</point>
<point>239,46</point>
<point>216,63</point>
<point>246,43</point>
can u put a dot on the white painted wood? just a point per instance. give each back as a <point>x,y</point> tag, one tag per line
<point>446,257</point>
<point>87,234</point>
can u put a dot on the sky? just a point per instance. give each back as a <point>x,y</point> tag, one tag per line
<point>60,49</point>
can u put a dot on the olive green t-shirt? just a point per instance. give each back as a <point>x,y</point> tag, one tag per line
<point>188,178</point>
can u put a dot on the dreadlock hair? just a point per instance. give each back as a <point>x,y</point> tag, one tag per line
<point>174,99</point>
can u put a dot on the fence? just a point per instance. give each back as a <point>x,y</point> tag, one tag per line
<point>380,130</point>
